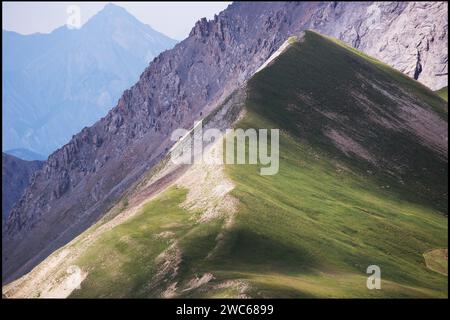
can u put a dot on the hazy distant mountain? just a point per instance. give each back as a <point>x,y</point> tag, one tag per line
<point>55,84</point>
<point>25,154</point>
<point>16,174</point>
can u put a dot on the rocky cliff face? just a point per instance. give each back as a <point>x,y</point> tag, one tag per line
<point>412,37</point>
<point>83,178</point>
<point>16,175</point>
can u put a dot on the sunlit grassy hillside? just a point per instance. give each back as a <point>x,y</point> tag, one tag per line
<point>356,187</point>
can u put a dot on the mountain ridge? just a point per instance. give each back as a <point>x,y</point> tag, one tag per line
<point>87,175</point>
<point>336,206</point>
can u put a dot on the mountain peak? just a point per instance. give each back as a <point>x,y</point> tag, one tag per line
<point>109,15</point>
<point>111,7</point>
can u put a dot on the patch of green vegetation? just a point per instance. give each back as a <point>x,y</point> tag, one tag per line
<point>292,39</point>
<point>328,285</point>
<point>414,88</point>
<point>121,263</point>
<point>443,93</point>
<point>437,260</point>
<point>125,203</point>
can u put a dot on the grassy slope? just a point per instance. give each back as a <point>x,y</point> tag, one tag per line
<point>329,77</point>
<point>312,229</point>
<point>122,260</point>
<point>121,263</point>
<point>323,225</point>
<point>443,93</point>
<point>332,218</point>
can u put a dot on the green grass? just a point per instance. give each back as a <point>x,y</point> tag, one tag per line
<point>312,229</point>
<point>292,39</point>
<point>122,261</point>
<point>313,222</point>
<point>317,82</point>
<point>443,93</point>
<point>414,88</point>
<point>437,260</point>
